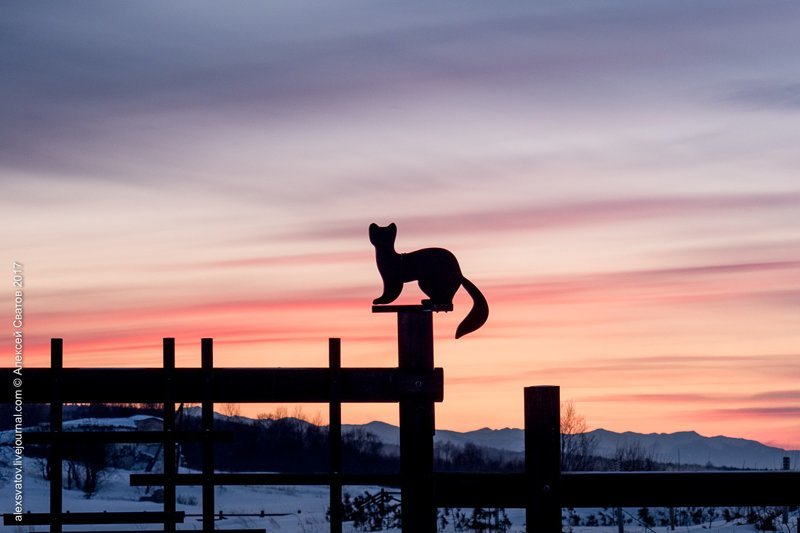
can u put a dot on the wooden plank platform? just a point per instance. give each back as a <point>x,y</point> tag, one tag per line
<point>421,308</point>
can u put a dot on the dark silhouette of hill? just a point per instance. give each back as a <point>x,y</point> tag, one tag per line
<point>294,445</point>
<point>284,444</point>
<point>288,445</point>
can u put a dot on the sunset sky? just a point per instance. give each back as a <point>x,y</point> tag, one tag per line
<point>619,178</point>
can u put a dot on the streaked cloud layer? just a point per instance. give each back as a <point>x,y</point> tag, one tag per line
<point>619,178</point>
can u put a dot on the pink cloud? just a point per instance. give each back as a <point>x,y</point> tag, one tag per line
<point>291,260</point>
<point>565,215</point>
<point>760,413</point>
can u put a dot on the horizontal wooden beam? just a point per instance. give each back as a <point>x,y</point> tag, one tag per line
<point>580,489</point>
<point>669,489</point>
<point>225,530</point>
<point>625,489</point>
<point>229,385</point>
<point>78,437</point>
<point>322,478</point>
<point>491,490</point>
<point>125,517</point>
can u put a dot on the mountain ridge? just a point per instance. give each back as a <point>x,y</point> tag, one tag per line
<point>681,447</point>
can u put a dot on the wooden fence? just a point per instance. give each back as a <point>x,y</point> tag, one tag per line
<point>415,385</point>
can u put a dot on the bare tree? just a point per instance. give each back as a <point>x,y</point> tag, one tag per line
<point>231,409</point>
<point>632,456</point>
<point>279,413</point>
<point>577,446</point>
<point>86,466</point>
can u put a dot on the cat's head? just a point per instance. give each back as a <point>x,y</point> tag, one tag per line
<point>382,236</point>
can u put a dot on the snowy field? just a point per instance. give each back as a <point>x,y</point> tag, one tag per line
<point>295,509</point>
<point>303,507</point>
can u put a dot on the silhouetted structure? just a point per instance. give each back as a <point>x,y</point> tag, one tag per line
<point>415,384</point>
<point>435,269</point>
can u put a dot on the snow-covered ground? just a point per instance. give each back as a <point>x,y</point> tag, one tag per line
<point>303,508</point>
<point>295,509</point>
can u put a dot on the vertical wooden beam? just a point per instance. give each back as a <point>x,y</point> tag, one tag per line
<point>56,423</point>
<point>169,433</point>
<point>785,511</point>
<point>207,425</point>
<point>543,459</point>
<point>417,424</point>
<point>618,511</point>
<point>335,433</point>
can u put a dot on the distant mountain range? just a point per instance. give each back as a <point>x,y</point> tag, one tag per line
<point>681,448</point>
<point>685,447</point>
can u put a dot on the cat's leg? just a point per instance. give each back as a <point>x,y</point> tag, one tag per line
<point>439,291</point>
<point>391,290</point>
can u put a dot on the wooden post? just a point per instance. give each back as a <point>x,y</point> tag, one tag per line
<point>56,450</point>
<point>335,434</point>
<point>618,510</point>
<point>207,425</point>
<point>169,433</point>
<point>543,459</point>
<point>785,511</point>
<point>417,424</point>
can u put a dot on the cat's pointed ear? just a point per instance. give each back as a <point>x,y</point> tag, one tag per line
<point>393,228</point>
<point>374,233</point>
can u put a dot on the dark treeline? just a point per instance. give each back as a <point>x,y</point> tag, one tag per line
<point>293,444</point>
<point>449,457</point>
<point>288,445</point>
<point>35,414</point>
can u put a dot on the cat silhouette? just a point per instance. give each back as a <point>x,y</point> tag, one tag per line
<point>436,271</point>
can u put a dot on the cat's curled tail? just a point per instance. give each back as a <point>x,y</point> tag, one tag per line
<point>477,315</point>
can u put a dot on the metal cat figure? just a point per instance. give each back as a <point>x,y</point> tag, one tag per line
<point>435,269</point>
